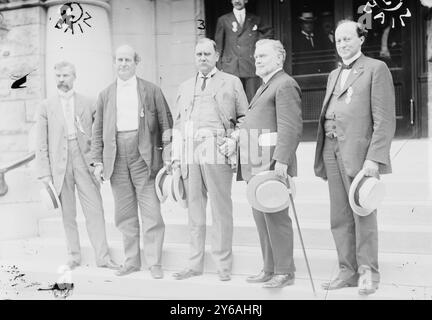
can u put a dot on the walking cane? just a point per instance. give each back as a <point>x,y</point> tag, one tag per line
<point>301,238</point>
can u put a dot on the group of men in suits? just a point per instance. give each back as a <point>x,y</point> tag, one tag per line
<point>124,137</point>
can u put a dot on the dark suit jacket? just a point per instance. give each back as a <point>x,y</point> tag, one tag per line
<point>154,129</point>
<point>237,47</point>
<point>52,143</point>
<point>366,124</point>
<point>276,107</point>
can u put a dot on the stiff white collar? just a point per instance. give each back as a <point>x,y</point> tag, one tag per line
<point>269,76</point>
<point>129,82</point>
<point>353,58</point>
<point>210,74</point>
<point>239,13</point>
<point>66,95</point>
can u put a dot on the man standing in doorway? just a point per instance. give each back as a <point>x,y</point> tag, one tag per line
<point>236,35</point>
<point>132,127</point>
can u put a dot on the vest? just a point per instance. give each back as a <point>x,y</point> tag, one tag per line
<point>333,104</point>
<point>204,114</point>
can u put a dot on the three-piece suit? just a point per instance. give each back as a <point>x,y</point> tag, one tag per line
<point>357,123</point>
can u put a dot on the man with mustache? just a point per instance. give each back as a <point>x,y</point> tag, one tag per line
<point>132,127</point>
<point>63,129</point>
<point>236,35</point>
<point>210,107</point>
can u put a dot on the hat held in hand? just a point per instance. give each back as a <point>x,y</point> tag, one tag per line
<point>269,193</point>
<point>366,194</point>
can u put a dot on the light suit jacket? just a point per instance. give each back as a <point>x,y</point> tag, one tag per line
<point>276,107</point>
<point>52,143</point>
<point>154,129</point>
<point>227,91</point>
<point>366,122</point>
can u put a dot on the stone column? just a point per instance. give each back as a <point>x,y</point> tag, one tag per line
<point>89,47</point>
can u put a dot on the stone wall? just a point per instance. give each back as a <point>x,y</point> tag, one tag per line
<point>22,49</point>
<point>133,23</point>
<point>176,33</point>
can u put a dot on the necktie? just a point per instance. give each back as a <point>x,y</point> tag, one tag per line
<point>203,85</point>
<point>310,38</point>
<point>241,20</point>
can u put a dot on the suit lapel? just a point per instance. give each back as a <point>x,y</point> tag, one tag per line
<point>142,96</point>
<point>112,107</point>
<point>246,24</point>
<point>216,83</point>
<point>332,85</point>
<point>263,88</point>
<point>79,110</point>
<point>189,91</point>
<point>355,73</point>
<point>57,111</point>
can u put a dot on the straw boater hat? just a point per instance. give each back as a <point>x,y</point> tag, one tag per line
<point>170,186</point>
<point>269,193</point>
<point>366,194</point>
<point>178,189</point>
<point>49,196</point>
<point>307,16</point>
<point>163,182</point>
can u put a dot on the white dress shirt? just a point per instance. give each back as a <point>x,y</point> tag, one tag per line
<point>240,15</point>
<point>309,37</point>
<point>68,105</point>
<point>345,73</point>
<point>127,104</point>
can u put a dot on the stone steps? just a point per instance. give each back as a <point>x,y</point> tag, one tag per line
<point>396,269</point>
<point>316,234</point>
<point>97,283</point>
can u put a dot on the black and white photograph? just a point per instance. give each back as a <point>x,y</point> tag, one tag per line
<point>228,151</point>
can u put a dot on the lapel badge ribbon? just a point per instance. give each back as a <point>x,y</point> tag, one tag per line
<point>349,94</point>
<point>234,26</point>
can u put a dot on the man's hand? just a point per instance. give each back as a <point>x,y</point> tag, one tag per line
<point>171,166</point>
<point>371,169</point>
<point>228,147</point>
<point>46,179</point>
<point>281,170</point>
<point>98,172</point>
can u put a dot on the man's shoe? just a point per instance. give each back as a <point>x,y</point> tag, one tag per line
<point>365,283</point>
<point>126,270</point>
<point>261,277</point>
<point>72,264</point>
<point>156,272</point>
<point>224,275</point>
<point>187,273</point>
<point>338,283</point>
<point>280,281</point>
<point>110,265</point>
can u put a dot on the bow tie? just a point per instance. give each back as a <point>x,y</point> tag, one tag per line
<point>347,66</point>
